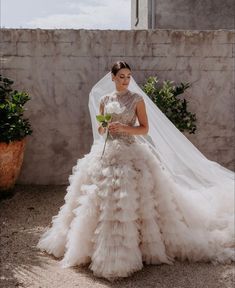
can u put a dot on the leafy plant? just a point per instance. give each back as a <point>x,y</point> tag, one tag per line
<point>166,99</point>
<point>12,124</point>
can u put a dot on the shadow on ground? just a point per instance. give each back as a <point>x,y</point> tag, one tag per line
<point>27,213</point>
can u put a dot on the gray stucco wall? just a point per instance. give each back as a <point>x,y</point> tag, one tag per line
<point>186,14</point>
<point>59,67</point>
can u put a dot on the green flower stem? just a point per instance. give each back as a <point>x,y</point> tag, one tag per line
<point>105,143</point>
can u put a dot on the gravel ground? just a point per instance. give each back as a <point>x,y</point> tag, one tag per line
<point>24,217</point>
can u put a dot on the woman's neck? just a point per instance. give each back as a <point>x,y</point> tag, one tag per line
<point>121,92</point>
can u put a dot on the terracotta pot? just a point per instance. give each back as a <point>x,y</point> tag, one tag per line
<point>11,158</point>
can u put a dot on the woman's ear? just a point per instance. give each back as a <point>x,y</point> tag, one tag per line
<point>112,76</point>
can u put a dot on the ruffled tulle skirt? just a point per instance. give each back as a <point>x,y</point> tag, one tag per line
<point>124,209</point>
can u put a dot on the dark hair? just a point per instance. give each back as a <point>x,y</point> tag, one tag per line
<point>118,66</point>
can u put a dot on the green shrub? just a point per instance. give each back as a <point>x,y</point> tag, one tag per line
<point>165,96</point>
<point>12,124</point>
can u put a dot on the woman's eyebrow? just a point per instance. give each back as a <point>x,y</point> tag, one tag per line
<point>124,74</point>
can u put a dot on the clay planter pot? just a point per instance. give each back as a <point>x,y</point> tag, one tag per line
<point>11,158</point>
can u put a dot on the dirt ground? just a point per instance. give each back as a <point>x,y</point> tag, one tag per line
<point>24,217</point>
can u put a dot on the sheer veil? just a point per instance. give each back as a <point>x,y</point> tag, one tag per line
<point>190,170</point>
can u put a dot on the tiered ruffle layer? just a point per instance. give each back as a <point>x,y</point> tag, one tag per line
<point>124,209</point>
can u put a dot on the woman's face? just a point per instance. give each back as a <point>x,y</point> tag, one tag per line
<point>122,79</point>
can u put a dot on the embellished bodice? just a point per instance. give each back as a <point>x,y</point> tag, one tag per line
<point>122,107</point>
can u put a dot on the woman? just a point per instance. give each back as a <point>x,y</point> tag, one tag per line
<point>134,199</point>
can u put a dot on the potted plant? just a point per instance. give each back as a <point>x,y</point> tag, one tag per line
<point>13,131</point>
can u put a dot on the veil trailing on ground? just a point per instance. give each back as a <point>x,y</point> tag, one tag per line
<point>187,166</point>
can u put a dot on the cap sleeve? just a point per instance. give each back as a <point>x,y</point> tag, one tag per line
<point>138,97</point>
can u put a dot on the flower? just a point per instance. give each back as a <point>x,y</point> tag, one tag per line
<point>104,120</point>
<point>114,107</point>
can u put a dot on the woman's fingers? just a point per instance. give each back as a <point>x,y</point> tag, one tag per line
<point>114,127</point>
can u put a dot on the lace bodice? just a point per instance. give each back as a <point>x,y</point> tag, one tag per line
<point>127,101</point>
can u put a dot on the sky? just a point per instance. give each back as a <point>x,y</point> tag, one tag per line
<point>66,14</point>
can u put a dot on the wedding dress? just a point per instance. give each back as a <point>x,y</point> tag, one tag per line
<point>125,207</point>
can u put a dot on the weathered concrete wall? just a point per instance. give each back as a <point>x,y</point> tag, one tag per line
<point>59,67</point>
<point>186,14</point>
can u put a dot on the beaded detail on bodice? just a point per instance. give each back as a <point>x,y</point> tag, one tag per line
<point>127,100</point>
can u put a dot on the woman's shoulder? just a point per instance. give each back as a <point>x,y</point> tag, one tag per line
<point>136,96</point>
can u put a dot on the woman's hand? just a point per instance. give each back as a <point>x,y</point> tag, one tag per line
<point>116,127</point>
<point>102,130</point>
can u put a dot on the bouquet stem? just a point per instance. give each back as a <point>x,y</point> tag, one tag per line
<point>105,144</point>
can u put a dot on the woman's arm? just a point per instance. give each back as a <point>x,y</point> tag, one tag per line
<point>142,129</point>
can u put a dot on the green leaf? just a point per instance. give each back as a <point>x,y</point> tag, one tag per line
<point>108,117</point>
<point>100,118</point>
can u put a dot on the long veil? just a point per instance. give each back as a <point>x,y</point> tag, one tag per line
<point>191,171</point>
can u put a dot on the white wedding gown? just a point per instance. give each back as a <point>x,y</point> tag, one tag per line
<point>124,209</point>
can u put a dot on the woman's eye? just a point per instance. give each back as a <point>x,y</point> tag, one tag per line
<point>124,77</point>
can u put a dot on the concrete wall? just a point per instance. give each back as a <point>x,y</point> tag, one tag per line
<point>59,67</point>
<point>186,14</point>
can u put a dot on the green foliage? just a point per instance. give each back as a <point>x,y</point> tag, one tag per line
<point>166,99</point>
<point>12,124</point>
<point>103,119</point>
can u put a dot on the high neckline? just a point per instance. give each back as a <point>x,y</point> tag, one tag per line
<point>121,93</point>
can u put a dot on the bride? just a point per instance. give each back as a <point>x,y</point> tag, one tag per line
<point>143,194</point>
